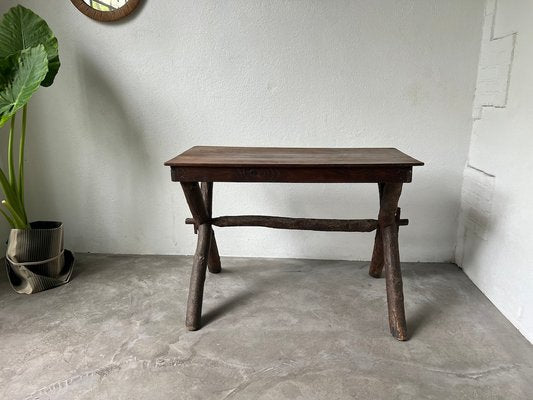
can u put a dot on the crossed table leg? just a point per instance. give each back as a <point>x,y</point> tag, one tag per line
<point>200,203</point>
<point>385,254</point>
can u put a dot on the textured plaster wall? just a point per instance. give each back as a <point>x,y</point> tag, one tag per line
<point>494,241</point>
<point>287,73</point>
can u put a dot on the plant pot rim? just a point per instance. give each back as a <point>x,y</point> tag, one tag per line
<point>41,226</point>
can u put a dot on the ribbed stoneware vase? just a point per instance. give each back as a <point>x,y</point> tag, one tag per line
<point>36,259</point>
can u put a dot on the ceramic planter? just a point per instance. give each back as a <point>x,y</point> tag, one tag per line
<point>36,259</point>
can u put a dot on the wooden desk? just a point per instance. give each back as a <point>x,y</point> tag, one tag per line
<point>387,167</point>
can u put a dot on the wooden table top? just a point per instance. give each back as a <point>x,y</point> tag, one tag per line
<point>255,157</point>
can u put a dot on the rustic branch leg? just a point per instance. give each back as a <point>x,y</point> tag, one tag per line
<point>213,262</point>
<point>376,264</point>
<point>196,203</point>
<point>196,286</point>
<point>391,257</point>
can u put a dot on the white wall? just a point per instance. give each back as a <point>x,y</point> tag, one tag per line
<point>131,95</point>
<point>494,243</point>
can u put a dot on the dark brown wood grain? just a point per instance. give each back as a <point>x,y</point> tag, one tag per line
<point>391,259</point>
<point>276,164</point>
<point>376,263</point>
<point>310,224</point>
<point>193,320</point>
<point>354,225</point>
<point>247,157</point>
<point>195,200</point>
<point>394,284</point>
<point>196,203</point>
<point>390,168</point>
<point>292,175</point>
<point>106,16</point>
<point>213,262</point>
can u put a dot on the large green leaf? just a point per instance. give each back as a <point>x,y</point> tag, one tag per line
<point>21,29</point>
<point>7,67</point>
<point>31,70</point>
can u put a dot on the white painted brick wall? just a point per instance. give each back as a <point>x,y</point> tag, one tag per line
<point>494,235</point>
<point>494,65</point>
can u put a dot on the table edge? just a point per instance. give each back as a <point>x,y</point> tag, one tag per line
<point>173,163</point>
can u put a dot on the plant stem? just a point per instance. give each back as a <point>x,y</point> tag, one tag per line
<point>21,158</point>
<point>14,191</point>
<point>10,161</point>
<point>19,223</point>
<point>10,194</point>
<point>8,218</point>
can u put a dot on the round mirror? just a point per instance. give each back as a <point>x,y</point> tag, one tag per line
<point>106,10</point>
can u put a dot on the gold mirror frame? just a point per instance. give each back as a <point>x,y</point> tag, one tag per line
<point>106,16</point>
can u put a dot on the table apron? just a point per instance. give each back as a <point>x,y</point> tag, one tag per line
<point>329,174</point>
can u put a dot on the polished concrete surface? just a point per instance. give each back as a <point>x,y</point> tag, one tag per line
<point>274,329</point>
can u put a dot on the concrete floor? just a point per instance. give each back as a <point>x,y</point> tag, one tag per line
<point>275,329</point>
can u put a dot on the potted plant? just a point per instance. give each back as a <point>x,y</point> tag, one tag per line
<point>35,259</point>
